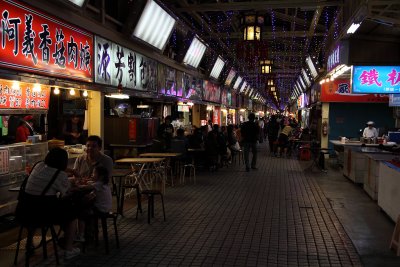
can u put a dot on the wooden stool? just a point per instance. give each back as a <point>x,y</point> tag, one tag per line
<point>29,241</point>
<point>103,218</point>
<point>150,204</point>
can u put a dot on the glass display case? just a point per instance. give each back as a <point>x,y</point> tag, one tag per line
<point>16,160</point>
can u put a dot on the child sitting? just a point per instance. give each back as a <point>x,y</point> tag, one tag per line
<point>103,199</point>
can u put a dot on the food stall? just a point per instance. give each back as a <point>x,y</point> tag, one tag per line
<point>19,99</point>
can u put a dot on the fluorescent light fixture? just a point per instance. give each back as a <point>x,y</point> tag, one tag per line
<point>243,86</point>
<point>218,66</point>
<point>155,25</point>
<point>237,83</point>
<point>303,84</point>
<point>142,106</point>
<point>77,2</point>
<point>230,77</point>
<point>353,28</point>
<point>117,96</point>
<point>195,53</point>
<point>311,67</point>
<point>305,77</point>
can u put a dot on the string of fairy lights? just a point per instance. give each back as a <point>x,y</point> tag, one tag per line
<point>289,54</point>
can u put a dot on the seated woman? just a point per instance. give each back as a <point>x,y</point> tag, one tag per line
<point>55,161</point>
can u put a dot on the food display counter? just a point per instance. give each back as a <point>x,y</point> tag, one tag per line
<point>15,161</point>
<point>371,176</point>
<point>355,159</point>
<point>389,189</point>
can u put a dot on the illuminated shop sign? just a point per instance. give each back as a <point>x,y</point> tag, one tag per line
<point>334,59</point>
<point>20,95</point>
<point>376,79</point>
<point>115,64</point>
<point>35,42</point>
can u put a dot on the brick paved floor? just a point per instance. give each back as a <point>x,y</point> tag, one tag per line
<point>274,216</point>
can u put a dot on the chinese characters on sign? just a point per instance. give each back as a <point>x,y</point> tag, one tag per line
<point>376,79</point>
<point>36,42</point>
<point>339,90</point>
<point>23,96</point>
<point>115,64</point>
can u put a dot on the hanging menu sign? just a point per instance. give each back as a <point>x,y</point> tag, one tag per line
<point>39,43</point>
<point>115,64</point>
<point>21,95</point>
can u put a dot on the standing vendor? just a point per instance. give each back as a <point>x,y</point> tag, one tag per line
<point>25,129</point>
<point>73,131</point>
<point>370,131</point>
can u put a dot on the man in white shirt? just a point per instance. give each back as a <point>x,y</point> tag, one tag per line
<point>370,131</point>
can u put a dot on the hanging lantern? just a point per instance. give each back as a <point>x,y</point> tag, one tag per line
<point>252,27</point>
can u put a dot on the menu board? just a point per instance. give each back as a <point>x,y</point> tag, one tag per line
<point>20,95</point>
<point>4,161</point>
<point>37,42</point>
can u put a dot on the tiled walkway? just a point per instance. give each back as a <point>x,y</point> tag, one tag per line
<point>274,216</point>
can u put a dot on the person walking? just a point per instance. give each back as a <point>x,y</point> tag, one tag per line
<point>250,133</point>
<point>272,132</point>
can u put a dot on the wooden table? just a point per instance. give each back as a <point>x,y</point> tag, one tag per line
<point>147,165</point>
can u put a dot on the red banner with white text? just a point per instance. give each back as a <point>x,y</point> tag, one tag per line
<point>35,42</point>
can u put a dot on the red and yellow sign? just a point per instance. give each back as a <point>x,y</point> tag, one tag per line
<point>39,43</point>
<point>21,95</point>
<point>340,91</point>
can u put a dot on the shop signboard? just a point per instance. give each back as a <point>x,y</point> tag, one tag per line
<point>20,95</point>
<point>234,99</point>
<point>212,92</point>
<point>224,100</point>
<point>376,79</point>
<point>339,90</point>
<point>179,83</point>
<point>339,55</point>
<point>115,65</point>
<point>36,42</point>
<point>229,99</point>
<point>192,87</point>
<point>394,100</point>
<point>166,80</point>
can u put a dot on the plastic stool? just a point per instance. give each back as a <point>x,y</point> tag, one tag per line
<point>150,204</point>
<point>103,218</point>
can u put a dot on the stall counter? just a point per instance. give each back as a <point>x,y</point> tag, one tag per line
<point>371,176</point>
<point>389,189</point>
